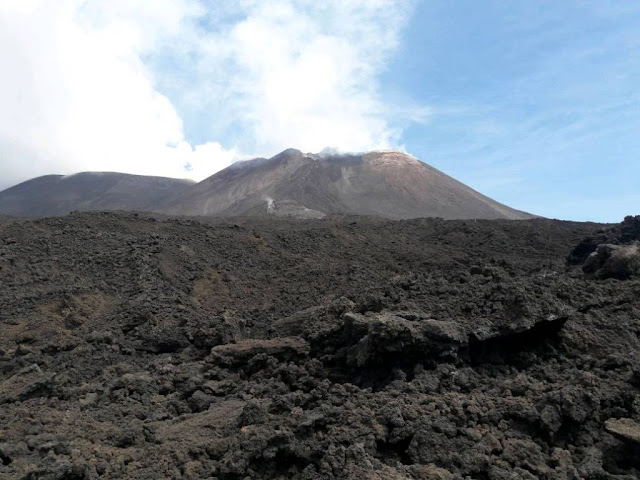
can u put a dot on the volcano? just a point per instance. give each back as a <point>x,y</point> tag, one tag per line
<point>385,184</point>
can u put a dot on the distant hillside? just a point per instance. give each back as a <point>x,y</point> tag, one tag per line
<point>59,195</point>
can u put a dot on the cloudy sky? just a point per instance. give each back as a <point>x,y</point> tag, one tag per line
<point>536,103</point>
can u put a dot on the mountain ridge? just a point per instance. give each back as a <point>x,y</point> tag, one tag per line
<point>387,184</point>
<point>87,191</point>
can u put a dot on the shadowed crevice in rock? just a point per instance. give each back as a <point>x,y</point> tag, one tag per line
<point>542,338</point>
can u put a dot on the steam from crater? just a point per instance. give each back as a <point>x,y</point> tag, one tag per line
<point>270,205</point>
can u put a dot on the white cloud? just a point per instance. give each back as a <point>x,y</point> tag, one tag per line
<point>304,73</point>
<point>82,81</point>
<point>76,94</point>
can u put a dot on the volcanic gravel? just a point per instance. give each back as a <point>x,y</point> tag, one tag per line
<point>141,347</point>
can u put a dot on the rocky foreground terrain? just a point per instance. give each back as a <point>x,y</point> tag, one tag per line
<point>348,347</point>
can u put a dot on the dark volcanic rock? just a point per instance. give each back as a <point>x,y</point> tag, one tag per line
<point>614,261</point>
<point>624,428</point>
<point>30,382</point>
<point>243,351</point>
<point>140,347</point>
<point>625,233</point>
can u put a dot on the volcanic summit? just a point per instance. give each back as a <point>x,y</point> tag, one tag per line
<point>387,184</point>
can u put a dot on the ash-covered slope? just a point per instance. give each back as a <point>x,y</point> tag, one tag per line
<point>387,184</point>
<point>59,195</point>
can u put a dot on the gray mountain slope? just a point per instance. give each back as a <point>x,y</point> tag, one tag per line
<point>387,184</point>
<point>59,195</point>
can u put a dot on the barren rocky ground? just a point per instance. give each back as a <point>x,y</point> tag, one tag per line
<point>348,347</point>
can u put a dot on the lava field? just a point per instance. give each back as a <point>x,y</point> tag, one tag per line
<point>135,346</point>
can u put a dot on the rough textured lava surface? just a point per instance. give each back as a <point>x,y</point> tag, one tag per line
<point>145,347</point>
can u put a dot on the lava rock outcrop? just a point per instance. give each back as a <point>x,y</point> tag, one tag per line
<point>612,252</point>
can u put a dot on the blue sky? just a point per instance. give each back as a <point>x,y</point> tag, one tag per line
<point>534,103</point>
